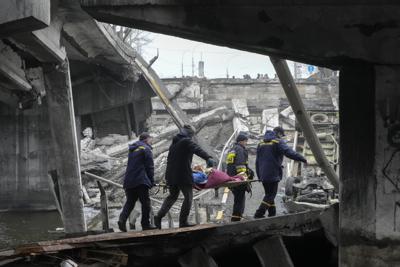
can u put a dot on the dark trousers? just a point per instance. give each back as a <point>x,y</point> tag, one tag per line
<point>268,202</point>
<point>239,202</point>
<point>174,190</point>
<point>132,195</point>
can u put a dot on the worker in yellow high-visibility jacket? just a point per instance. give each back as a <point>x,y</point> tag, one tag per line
<point>237,162</point>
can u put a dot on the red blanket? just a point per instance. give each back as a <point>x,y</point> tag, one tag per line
<point>216,177</point>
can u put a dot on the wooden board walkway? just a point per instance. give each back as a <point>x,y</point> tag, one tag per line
<point>172,243</point>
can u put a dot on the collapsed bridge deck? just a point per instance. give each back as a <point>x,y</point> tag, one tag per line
<point>169,246</point>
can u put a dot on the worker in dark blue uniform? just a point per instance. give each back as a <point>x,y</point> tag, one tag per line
<point>139,178</point>
<point>237,162</point>
<point>179,175</point>
<point>269,159</point>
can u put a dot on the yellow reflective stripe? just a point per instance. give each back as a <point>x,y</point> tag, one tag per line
<point>235,216</point>
<point>267,204</point>
<point>139,148</point>
<point>230,158</point>
<point>241,168</point>
<point>269,143</point>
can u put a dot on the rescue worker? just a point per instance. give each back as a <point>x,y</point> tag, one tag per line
<point>179,174</point>
<point>269,159</point>
<point>139,178</point>
<point>237,162</point>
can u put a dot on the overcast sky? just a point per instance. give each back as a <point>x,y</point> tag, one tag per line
<point>217,59</point>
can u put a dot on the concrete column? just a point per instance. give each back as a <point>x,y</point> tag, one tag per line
<point>63,130</point>
<point>272,252</point>
<point>369,194</point>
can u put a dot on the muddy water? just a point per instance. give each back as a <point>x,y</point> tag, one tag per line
<point>26,227</point>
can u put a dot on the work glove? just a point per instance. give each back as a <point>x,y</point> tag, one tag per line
<point>249,189</point>
<point>211,163</point>
<point>250,174</point>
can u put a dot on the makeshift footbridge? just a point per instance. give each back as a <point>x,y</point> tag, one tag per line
<point>277,241</point>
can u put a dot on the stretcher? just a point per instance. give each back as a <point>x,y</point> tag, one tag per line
<point>230,184</point>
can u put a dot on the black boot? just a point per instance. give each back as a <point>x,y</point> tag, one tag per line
<point>235,218</point>
<point>272,211</point>
<point>258,216</point>
<point>122,226</point>
<point>149,227</point>
<point>186,224</point>
<point>157,221</point>
<point>260,212</point>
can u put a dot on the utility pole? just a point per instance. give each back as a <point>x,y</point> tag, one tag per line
<point>182,67</point>
<point>192,66</point>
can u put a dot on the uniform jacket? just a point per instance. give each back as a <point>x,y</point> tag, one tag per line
<point>237,160</point>
<point>269,158</point>
<point>179,161</point>
<point>140,169</point>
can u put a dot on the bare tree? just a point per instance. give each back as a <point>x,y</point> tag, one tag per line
<point>137,39</point>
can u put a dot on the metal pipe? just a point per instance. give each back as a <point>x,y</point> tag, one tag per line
<point>302,117</point>
<point>91,175</point>
<point>159,88</point>
<point>221,158</point>
<point>179,117</point>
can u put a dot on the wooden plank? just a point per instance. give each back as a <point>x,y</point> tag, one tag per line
<point>54,188</point>
<point>272,253</point>
<point>177,241</point>
<point>104,207</point>
<point>107,238</point>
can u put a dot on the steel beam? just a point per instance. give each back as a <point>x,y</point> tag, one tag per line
<point>290,88</point>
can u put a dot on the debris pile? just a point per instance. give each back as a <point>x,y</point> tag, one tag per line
<point>107,157</point>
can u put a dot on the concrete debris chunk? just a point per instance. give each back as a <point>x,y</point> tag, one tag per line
<point>270,118</point>
<point>111,140</point>
<point>240,106</point>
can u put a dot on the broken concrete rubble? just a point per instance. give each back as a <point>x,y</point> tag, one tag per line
<point>101,157</point>
<point>92,156</point>
<point>96,160</point>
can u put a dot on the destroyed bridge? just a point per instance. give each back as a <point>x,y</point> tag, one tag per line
<point>56,61</point>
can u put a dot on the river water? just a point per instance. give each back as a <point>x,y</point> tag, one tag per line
<point>27,227</point>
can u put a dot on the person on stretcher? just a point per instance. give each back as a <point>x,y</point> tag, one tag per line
<point>213,178</point>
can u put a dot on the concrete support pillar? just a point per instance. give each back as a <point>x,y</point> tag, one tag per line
<point>63,130</point>
<point>272,252</point>
<point>369,192</point>
<point>197,257</point>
